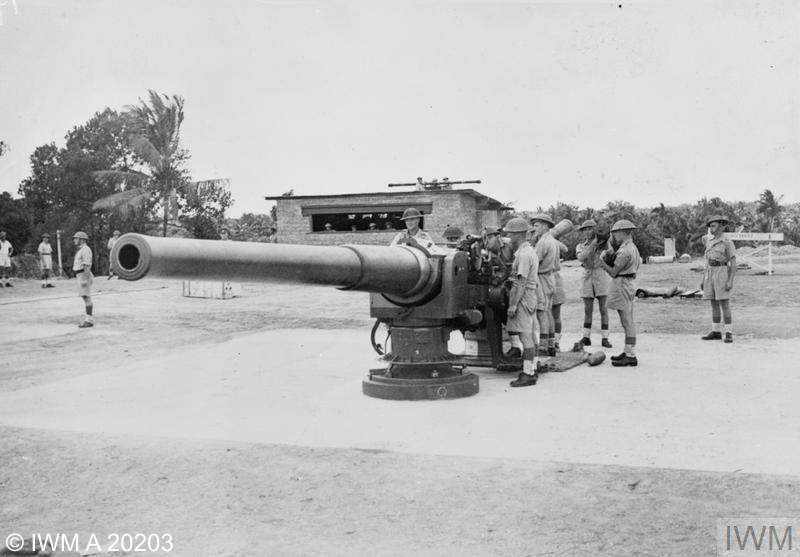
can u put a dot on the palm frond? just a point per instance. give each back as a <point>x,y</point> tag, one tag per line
<point>127,178</point>
<point>122,202</point>
<point>142,146</point>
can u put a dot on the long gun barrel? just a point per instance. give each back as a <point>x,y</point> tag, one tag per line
<point>398,270</point>
<point>447,183</point>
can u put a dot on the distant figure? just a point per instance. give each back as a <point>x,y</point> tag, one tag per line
<point>82,265</point>
<point>6,250</point>
<point>373,226</point>
<point>388,225</point>
<point>353,228</point>
<point>110,245</point>
<point>273,235</point>
<point>413,233</point>
<point>329,227</point>
<point>224,235</point>
<point>45,252</point>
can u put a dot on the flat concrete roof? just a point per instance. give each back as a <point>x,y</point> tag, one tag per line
<point>489,202</point>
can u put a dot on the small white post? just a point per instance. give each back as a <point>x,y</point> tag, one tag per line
<point>60,266</point>
<point>769,253</point>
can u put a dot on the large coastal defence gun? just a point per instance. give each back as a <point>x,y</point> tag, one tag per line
<point>420,296</point>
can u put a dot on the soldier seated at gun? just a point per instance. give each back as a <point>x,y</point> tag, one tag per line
<point>413,233</point>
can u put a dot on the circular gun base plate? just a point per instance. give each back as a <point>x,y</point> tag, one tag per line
<point>392,388</point>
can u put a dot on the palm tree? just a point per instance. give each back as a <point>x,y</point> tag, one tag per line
<point>769,208</point>
<point>154,136</point>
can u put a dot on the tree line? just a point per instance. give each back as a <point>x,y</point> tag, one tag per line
<point>685,223</point>
<point>120,170</point>
<point>128,170</point>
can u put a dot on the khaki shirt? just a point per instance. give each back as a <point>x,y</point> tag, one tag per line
<point>525,268</point>
<point>588,255</point>
<point>628,258</point>
<point>548,251</point>
<point>45,248</point>
<point>423,238</point>
<point>82,257</point>
<point>719,249</point>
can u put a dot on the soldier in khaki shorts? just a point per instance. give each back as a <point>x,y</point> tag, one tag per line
<point>547,251</point>
<point>596,282</point>
<point>82,265</point>
<point>718,278</point>
<point>521,310</point>
<point>624,264</point>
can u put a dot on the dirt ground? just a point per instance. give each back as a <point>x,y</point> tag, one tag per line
<point>220,498</point>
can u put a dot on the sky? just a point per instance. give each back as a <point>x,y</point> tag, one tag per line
<point>578,102</point>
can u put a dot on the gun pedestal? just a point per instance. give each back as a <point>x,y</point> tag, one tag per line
<point>420,367</point>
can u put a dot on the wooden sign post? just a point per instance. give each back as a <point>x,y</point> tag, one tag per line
<point>767,237</point>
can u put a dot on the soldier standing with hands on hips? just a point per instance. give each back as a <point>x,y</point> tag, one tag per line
<point>622,266</point>
<point>718,278</point>
<point>521,310</point>
<point>82,265</point>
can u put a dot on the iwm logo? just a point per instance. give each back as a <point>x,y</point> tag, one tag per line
<point>757,536</point>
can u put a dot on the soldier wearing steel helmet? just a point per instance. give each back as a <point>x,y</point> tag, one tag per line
<point>82,265</point>
<point>522,299</point>
<point>412,218</point>
<point>453,235</point>
<point>548,252</point>
<point>718,279</point>
<point>626,261</point>
<point>595,282</point>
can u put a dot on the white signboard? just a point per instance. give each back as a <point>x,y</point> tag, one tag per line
<point>756,236</point>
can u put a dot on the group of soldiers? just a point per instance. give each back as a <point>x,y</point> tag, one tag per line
<point>81,266</point>
<point>530,259</point>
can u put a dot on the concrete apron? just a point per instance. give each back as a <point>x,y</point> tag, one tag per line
<point>690,404</point>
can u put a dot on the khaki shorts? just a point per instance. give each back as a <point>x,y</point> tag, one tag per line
<point>714,283</point>
<point>621,294</point>
<point>522,321</point>
<point>595,283</point>
<point>85,285</point>
<point>559,296</point>
<point>547,286</point>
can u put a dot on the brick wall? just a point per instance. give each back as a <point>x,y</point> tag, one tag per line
<point>449,208</point>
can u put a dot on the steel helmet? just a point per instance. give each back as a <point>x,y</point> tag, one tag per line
<point>623,225</point>
<point>542,217</point>
<point>451,231</point>
<point>716,218</point>
<point>517,224</point>
<point>588,224</point>
<point>81,235</point>
<point>411,213</point>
